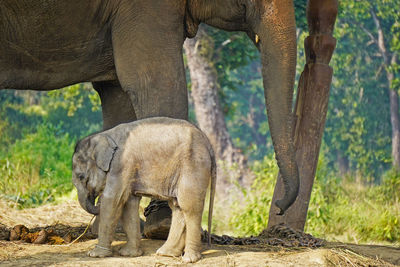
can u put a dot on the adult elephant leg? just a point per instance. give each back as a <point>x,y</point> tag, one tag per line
<point>115,103</point>
<point>158,219</point>
<point>148,57</point>
<point>149,65</point>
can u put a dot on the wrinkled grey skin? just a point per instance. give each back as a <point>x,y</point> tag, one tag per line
<point>131,50</point>
<point>165,158</point>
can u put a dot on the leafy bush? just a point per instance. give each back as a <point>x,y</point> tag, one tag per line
<point>35,155</point>
<point>340,209</point>
<point>37,167</point>
<point>355,212</point>
<point>252,218</point>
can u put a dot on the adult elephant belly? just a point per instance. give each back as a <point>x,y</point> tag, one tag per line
<point>51,44</point>
<point>47,69</point>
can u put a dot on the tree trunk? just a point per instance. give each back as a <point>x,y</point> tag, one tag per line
<point>310,110</point>
<point>343,163</point>
<point>394,119</point>
<point>210,118</point>
<point>393,95</point>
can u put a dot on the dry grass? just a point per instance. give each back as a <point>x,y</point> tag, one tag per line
<point>347,258</point>
<point>66,213</point>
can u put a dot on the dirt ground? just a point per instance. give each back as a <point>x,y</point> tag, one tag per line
<point>19,253</point>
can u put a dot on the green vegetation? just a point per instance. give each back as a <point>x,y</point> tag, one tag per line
<point>38,134</point>
<point>340,209</point>
<point>37,168</point>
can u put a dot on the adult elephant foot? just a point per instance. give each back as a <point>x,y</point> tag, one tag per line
<point>158,220</point>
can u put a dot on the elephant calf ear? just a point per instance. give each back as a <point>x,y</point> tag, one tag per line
<point>104,152</point>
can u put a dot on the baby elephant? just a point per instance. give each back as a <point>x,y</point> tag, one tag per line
<point>165,158</point>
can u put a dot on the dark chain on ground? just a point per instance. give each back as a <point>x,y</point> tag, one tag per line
<point>4,232</point>
<point>154,206</point>
<point>278,235</point>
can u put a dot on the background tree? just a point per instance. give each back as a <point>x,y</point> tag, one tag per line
<point>364,112</point>
<point>232,166</point>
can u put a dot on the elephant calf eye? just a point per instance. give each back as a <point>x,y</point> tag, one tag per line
<point>81,176</point>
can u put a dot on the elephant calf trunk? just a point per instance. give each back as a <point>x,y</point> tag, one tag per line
<point>87,203</point>
<point>91,207</point>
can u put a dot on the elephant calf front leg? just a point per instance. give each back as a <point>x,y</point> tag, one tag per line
<point>131,224</point>
<point>110,212</point>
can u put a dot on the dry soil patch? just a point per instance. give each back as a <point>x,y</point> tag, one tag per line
<point>18,253</point>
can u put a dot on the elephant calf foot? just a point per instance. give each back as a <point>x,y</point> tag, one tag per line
<point>191,256</point>
<point>168,251</point>
<point>130,251</point>
<point>100,252</point>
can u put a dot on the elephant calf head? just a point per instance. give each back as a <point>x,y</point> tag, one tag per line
<point>90,163</point>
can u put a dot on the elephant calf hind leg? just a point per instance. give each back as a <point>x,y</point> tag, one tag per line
<point>193,237</point>
<point>192,204</point>
<point>176,238</point>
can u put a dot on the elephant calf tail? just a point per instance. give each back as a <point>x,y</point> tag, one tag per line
<point>213,183</point>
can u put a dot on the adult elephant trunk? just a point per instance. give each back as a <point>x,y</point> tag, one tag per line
<point>276,40</point>
<point>271,25</point>
<point>86,200</point>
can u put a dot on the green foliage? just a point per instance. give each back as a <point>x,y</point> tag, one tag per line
<point>37,167</point>
<point>353,212</point>
<point>77,107</point>
<point>38,131</point>
<point>17,118</point>
<point>253,217</point>
<point>339,209</point>
<point>390,189</point>
<point>358,124</point>
<point>300,13</point>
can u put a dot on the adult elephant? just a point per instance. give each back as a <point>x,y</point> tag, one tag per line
<point>131,50</point>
